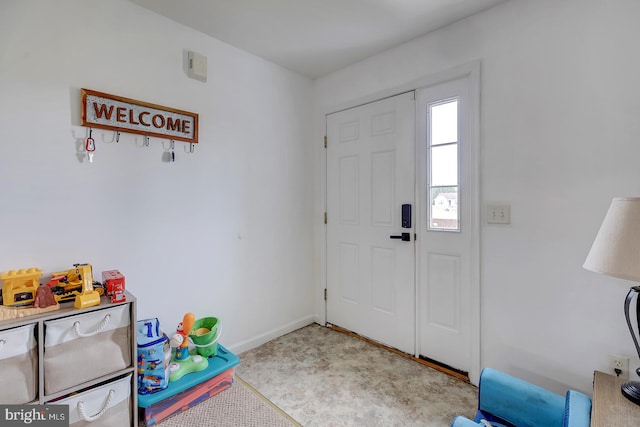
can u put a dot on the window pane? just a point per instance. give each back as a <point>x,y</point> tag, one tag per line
<point>444,165</point>
<point>444,208</point>
<point>444,122</point>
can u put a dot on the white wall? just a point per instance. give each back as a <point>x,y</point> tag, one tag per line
<point>233,230</point>
<point>560,132</point>
<point>225,231</point>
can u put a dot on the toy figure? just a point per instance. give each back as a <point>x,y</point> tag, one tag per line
<point>44,297</point>
<point>180,341</point>
<point>183,362</point>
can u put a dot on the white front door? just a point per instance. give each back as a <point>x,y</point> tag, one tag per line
<point>446,225</point>
<point>370,175</point>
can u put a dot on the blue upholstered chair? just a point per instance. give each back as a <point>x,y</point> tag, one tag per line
<point>504,400</point>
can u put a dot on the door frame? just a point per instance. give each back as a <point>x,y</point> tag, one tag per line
<point>471,71</point>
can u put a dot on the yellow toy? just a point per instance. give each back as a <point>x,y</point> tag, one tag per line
<point>75,284</point>
<point>19,287</point>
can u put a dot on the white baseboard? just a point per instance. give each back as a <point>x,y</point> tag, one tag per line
<point>320,320</point>
<point>254,342</point>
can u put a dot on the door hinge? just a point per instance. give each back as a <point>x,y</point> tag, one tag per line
<point>325,217</point>
<point>325,141</point>
<point>325,294</point>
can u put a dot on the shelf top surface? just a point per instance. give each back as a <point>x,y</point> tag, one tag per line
<point>66,309</point>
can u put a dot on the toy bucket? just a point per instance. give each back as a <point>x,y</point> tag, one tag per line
<point>204,335</point>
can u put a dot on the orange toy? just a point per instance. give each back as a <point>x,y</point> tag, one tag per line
<point>183,362</point>
<point>187,324</point>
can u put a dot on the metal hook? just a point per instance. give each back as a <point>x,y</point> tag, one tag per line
<point>191,148</point>
<point>146,141</point>
<point>173,153</point>
<point>117,136</point>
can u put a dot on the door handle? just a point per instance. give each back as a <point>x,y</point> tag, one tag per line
<point>405,237</point>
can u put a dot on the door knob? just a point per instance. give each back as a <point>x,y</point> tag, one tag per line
<point>405,237</point>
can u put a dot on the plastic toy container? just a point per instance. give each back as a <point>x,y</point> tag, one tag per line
<point>189,390</point>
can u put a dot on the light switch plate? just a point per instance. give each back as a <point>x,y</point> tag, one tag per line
<point>498,214</point>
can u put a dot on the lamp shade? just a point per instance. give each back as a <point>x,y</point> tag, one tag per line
<point>616,248</point>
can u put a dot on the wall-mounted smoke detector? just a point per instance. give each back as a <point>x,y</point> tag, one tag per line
<point>197,66</point>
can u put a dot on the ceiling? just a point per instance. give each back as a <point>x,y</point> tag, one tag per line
<point>315,37</point>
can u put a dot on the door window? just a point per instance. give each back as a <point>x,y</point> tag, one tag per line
<point>443,161</point>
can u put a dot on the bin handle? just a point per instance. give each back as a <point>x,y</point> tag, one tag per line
<point>90,418</point>
<point>213,341</point>
<point>101,326</point>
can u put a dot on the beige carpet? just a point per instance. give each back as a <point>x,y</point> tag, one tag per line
<point>238,406</point>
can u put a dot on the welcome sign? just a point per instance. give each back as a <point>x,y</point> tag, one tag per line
<point>104,111</point>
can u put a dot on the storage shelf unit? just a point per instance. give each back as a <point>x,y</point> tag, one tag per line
<point>53,374</point>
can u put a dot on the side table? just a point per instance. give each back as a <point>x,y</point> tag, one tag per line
<point>609,406</point>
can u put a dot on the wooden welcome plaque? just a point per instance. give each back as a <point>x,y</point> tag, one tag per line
<point>104,111</point>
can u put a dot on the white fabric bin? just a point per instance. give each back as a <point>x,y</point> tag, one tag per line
<point>108,405</point>
<point>18,365</point>
<point>85,347</point>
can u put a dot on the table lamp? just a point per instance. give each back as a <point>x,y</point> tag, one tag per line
<point>616,252</point>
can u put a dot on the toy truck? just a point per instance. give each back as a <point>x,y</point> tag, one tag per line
<point>77,285</point>
<point>113,283</point>
<point>19,287</point>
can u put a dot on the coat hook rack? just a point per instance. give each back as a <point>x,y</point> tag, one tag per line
<point>116,136</point>
<point>117,113</point>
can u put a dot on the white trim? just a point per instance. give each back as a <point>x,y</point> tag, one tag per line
<point>463,70</point>
<point>472,71</point>
<point>263,338</point>
<point>474,135</point>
